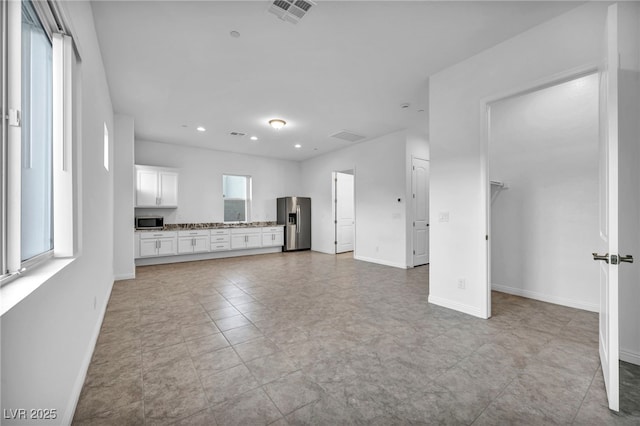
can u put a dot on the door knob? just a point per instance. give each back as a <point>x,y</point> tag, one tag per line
<point>604,257</point>
<point>628,258</point>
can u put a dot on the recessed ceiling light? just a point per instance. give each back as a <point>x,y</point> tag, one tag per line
<point>201,129</point>
<point>254,138</point>
<point>277,123</point>
<point>234,34</point>
<point>298,145</point>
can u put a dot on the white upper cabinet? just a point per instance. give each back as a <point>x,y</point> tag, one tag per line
<point>146,187</point>
<point>156,187</point>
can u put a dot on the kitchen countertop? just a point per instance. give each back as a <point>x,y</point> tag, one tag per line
<point>212,225</point>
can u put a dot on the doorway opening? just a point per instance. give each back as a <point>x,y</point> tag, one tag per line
<point>543,156</point>
<point>344,210</point>
<point>542,207</point>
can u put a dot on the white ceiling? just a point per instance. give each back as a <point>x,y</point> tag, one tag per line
<point>345,65</point>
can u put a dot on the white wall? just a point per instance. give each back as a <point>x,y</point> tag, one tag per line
<point>380,169</point>
<point>458,247</point>
<point>544,226</point>
<point>200,182</point>
<point>123,223</point>
<point>48,338</point>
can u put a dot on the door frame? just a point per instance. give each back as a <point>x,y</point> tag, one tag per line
<point>485,184</point>
<point>351,171</point>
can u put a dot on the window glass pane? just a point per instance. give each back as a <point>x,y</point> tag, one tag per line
<point>234,187</point>
<point>37,142</point>
<point>236,192</point>
<point>235,210</point>
<point>105,148</point>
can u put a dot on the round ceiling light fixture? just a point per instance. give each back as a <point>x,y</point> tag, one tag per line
<point>277,123</point>
<point>234,34</point>
<point>297,145</point>
<point>254,138</point>
<point>201,129</point>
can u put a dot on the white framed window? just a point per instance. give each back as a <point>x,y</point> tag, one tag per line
<point>236,193</point>
<point>37,199</point>
<point>36,121</point>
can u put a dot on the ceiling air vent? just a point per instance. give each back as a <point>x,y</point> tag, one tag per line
<point>291,10</point>
<point>346,135</point>
<point>237,134</point>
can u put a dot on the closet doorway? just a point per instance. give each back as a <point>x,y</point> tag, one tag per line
<point>543,212</point>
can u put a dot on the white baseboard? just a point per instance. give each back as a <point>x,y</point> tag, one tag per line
<point>546,298</point>
<point>630,357</point>
<point>456,306</point>
<point>67,418</point>
<point>380,262</point>
<point>317,250</point>
<point>121,277</point>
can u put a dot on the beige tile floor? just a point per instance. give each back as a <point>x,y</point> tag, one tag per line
<point>308,338</point>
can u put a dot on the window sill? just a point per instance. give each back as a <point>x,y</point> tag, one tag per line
<point>17,290</point>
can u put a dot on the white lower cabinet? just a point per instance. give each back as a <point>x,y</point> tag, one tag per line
<point>158,243</point>
<point>273,236</point>
<point>220,240</point>
<point>170,243</point>
<point>244,238</point>
<point>193,241</point>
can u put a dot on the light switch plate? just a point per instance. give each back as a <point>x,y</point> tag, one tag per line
<point>443,217</point>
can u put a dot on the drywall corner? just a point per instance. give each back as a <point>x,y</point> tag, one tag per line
<point>123,210</point>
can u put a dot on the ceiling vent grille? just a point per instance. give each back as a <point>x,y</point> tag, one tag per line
<point>237,134</point>
<point>291,10</point>
<point>346,135</point>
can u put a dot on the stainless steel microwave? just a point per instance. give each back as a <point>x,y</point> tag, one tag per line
<point>149,222</point>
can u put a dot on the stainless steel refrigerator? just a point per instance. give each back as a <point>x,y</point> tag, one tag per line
<point>295,214</point>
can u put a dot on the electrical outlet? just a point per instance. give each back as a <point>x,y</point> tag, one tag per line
<point>462,283</point>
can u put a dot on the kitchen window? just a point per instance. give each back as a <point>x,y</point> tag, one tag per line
<point>236,194</point>
<point>36,192</point>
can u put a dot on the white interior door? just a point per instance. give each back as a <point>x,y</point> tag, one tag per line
<point>608,250</point>
<point>420,189</point>
<point>345,212</point>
